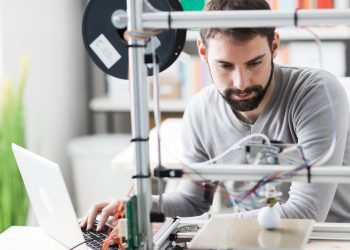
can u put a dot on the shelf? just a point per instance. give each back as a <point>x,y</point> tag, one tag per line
<point>325,33</point>
<point>192,35</point>
<point>291,33</point>
<point>107,104</point>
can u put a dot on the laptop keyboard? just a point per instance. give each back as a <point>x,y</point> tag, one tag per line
<point>95,238</point>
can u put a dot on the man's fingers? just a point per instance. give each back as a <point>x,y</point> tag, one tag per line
<point>93,212</point>
<point>106,209</point>
<point>83,221</point>
<point>105,213</point>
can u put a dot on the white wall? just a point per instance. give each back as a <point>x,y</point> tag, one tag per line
<point>49,31</point>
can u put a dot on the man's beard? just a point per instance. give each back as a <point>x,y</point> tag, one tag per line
<point>247,104</point>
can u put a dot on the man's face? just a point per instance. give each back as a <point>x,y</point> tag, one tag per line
<point>240,70</point>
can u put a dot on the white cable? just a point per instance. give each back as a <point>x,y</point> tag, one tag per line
<point>319,161</point>
<point>234,147</point>
<point>157,115</point>
<point>318,43</point>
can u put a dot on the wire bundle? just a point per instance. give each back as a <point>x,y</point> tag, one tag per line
<point>250,195</point>
<point>113,237</point>
<point>143,35</point>
<point>114,234</point>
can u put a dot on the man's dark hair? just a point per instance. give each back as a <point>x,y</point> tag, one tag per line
<point>239,34</point>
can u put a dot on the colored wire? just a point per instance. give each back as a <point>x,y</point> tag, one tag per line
<point>120,213</point>
<point>113,235</point>
<point>280,175</point>
<point>143,34</point>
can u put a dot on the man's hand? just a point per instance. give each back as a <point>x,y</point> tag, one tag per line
<point>105,209</point>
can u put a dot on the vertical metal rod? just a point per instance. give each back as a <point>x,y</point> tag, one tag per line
<point>140,123</point>
<point>157,119</point>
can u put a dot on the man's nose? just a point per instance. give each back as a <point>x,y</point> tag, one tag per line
<point>240,79</point>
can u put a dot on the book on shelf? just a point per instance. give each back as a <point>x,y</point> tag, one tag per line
<point>287,5</point>
<point>305,54</point>
<point>185,78</point>
<point>169,83</point>
<point>306,4</point>
<point>194,75</point>
<point>325,4</point>
<point>341,4</point>
<point>181,80</point>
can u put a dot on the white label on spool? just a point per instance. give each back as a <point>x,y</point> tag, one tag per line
<point>105,51</point>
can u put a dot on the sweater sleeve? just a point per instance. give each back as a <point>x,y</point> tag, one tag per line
<point>190,199</point>
<point>320,113</point>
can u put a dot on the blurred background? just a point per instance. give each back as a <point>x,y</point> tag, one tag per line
<point>79,117</point>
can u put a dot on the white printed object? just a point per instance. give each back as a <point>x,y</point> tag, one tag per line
<point>269,217</point>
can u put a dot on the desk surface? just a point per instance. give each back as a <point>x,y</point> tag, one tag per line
<point>33,238</point>
<point>171,141</point>
<point>246,233</point>
<point>29,238</point>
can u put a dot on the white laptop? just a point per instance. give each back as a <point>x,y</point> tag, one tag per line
<point>49,197</point>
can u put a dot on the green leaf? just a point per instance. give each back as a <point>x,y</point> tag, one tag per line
<point>13,197</point>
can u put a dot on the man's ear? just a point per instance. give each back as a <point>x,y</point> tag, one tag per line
<point>202,51</point>
<point>275,44</point>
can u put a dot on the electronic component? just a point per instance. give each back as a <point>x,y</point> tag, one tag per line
<point>123,229</point>
<point>131,216</point>
<point>162,172</point>
<point>274,154</point>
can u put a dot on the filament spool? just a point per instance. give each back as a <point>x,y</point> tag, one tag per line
<point>108,49</point>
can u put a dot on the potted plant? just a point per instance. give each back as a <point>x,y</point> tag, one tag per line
<point>13,197</point>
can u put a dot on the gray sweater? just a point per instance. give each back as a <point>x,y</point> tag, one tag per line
<point>298,112</point>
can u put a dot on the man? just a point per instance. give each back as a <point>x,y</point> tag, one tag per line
<point>251,94</point>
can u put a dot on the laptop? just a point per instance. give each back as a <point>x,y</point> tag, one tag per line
<point>51,202</point>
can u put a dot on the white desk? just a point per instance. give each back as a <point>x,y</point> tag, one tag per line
<point>28,238</point>
<point>33,238</point>
<point>171,139</point>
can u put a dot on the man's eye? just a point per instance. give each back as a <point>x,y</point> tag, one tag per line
<point>225,66</point>
<point>253,64</point>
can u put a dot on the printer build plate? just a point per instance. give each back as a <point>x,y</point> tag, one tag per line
<point>241,233</point>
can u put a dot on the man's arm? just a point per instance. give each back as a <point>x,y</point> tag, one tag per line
<point>313,126</point>
<point>190,199</point>
<point>317,118</point>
